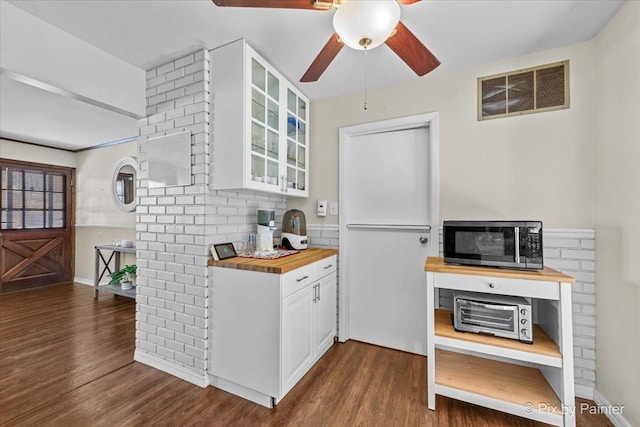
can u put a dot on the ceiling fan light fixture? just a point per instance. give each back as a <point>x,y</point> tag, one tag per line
<point>366,24</point>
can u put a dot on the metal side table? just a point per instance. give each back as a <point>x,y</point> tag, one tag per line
<point>102,266</point>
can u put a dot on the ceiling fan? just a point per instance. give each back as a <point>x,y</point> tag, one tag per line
<point>361,25</point>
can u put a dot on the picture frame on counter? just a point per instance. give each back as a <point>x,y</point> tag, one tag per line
<point>223,251</point>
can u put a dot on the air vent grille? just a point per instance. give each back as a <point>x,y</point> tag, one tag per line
<point>532,90</point>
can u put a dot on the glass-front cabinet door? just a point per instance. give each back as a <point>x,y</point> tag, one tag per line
<point>297,149</point>
<point>260,133</point>
<point>279,132</point>
<point>265,126</point>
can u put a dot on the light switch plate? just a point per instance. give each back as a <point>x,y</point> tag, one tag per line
<point>333,208</point>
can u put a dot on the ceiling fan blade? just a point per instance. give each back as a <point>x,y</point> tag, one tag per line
<point>280,4</point>
<point>324,58</point>
<point>408,2</point>
<point>411,50</point>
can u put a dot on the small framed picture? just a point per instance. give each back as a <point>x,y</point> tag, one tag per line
<point>225,250</point>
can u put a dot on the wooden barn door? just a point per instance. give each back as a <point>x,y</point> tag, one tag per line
<point>36,225</point>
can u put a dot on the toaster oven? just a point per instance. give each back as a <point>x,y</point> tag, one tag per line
<point>498,315</point>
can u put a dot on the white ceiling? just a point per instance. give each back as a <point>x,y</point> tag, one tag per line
<point>147,33</point>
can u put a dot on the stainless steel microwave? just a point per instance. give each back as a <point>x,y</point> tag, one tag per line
<point>506,244</point>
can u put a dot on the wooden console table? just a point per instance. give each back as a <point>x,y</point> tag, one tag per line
<point>102,266</point>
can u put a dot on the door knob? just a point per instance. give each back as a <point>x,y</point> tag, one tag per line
<point>424,240</point>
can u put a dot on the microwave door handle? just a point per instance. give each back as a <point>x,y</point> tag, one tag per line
<point>516,237</point>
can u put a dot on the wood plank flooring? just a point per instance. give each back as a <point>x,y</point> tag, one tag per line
<point>67,360</point>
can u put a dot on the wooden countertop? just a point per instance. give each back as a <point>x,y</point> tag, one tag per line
<point>437,265</point>
<point>277,266</point>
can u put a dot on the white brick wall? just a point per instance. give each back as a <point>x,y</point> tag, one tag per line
<point>171,318</point>
<point>570,251</point>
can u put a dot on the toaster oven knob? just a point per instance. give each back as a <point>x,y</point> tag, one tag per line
<point>523,321</point>
<point>523,311</point>
<point>523,332</point>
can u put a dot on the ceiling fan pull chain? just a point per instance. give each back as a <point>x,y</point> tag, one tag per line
<point>365,78</point>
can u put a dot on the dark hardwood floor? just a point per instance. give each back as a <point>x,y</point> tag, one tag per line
<point>67,360</point>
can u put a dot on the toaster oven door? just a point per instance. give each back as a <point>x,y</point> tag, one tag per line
<point>499,319</point>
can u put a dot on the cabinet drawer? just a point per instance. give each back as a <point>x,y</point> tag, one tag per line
<point>325,267</point>
<point>499,285</point>
<point>297,279</point>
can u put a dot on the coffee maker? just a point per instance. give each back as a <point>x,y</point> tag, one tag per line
<point>266,226</point>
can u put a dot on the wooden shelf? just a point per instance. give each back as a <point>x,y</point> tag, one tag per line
<point>437,265</point>
<point>542,344</point>
<point>483,381</point>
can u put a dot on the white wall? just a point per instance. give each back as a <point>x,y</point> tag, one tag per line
<point>37,154</point>
<point>537,166</point>
<point>618,210</point>
<point>98,220</point>
<point>37,49</point>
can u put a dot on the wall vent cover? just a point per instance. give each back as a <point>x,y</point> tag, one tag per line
<point>532,90</point>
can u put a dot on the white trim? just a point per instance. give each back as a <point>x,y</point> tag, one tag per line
<point>242,391</point>
<point>171,368</point>
<point>83,281</point>
<point>431,122</point>
<point>39,84</point>
<point>502,352</point>
<point>573,233</point>
<point>584,391</point>
<point>616,419</point>
<point>329,227</point>
<point>122,227</point>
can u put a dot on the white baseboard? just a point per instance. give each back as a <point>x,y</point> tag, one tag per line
<point>83,281</point>
<point>616,419</point>
<point>584,391</point>
<point>242,391</point>
<point>170,368</point>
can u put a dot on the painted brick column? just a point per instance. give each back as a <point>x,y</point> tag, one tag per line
<point>172,251</point>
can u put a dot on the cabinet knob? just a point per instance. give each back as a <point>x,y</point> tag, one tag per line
<point>491,285</point>
<point>424,240</point>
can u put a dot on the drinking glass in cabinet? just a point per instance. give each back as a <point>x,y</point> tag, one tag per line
<point>301,157</point>
<point>301,180</point>
<point>291,152</point>
<point>257,168</point>
<point>273,145</point>
<point>272,172</point>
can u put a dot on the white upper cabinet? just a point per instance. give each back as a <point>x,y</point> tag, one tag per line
<point>260,128</point>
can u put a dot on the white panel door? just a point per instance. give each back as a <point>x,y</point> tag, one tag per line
<point>388,299</point>
<point>388,177</point>
<point>388,212</point>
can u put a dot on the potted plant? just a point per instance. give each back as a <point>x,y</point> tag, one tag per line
<point>124,276</point>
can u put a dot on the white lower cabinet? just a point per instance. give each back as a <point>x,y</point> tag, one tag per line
<point>267,330</point>
<point>298,348</point>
